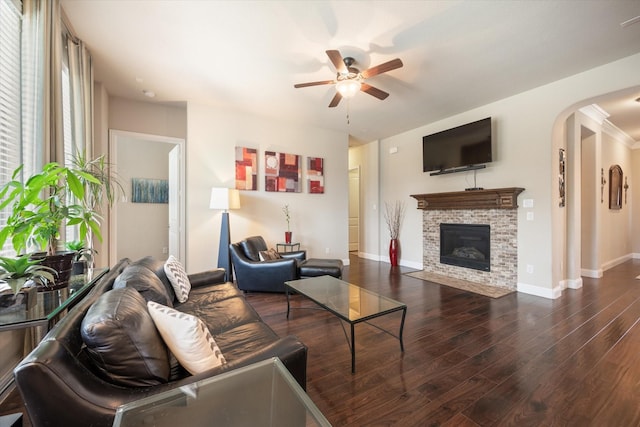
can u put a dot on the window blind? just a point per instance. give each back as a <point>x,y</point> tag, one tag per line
<point>10,98</point>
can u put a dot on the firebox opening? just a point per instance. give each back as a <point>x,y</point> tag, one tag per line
<point>466,245</point>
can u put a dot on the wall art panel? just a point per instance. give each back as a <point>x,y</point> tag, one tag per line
<point>246,168</point>
<point>282,172</point>
<point>315,175</point>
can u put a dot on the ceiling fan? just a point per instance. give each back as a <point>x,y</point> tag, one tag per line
<point>349,80</point>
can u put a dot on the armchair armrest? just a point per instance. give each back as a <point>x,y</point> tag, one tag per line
<point>297,255</point>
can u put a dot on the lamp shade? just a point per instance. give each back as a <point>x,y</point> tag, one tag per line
<point>224,198</point>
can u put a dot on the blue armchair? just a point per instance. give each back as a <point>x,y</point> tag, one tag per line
<point>252,274</point>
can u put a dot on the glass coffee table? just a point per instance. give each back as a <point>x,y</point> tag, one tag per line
<point>348,302</point>
<point>261,394</point>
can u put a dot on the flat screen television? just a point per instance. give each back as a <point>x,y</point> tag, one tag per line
<point>463,147</point>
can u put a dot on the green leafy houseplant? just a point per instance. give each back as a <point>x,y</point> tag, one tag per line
<point>57,196</point>
<point>82,252</point>
<point>24,267</point>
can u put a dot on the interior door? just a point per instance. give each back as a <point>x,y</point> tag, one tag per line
<point>354,209</point>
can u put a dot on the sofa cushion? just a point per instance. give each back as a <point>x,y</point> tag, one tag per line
<point>269,255</point>
<point>146,282</point>
<point>187,337</point>
<point>251,246</point>
<point>157,266</point>
<point>122,340</point>
<point>178,278</point>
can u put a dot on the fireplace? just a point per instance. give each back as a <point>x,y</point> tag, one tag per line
<point>466,245</point>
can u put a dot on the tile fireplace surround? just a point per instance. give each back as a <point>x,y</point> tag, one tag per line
<point>495,207</point>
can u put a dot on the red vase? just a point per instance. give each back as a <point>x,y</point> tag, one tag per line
<point>287,236</point>
<point>393,252</point>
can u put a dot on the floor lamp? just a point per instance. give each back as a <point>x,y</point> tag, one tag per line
<point>225,199</point>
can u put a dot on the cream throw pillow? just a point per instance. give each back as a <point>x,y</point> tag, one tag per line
<point>187,337</point>
<point>178,278</point>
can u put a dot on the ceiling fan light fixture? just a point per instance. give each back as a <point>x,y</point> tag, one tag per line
<point>348,88</point>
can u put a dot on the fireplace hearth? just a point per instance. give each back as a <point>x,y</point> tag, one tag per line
<point>466,245</point>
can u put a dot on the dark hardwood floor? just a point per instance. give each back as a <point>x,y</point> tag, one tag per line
<point>470,360</point>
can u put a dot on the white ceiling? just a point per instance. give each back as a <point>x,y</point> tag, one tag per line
<point>247,55</point>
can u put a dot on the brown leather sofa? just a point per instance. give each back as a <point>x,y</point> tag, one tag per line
<point>62,383</point>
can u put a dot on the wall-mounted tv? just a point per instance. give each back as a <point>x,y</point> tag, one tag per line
<point>461,148</point>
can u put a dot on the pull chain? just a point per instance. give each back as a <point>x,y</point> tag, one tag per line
<point>348,104</point>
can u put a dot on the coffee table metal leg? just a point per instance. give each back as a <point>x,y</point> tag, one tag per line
<point>353,349</point>
<point>288,306</point>
<point>404,314</point>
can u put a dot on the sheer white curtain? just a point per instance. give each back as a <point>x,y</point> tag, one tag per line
<point>60,82</point>
<point>43,118</point>
<point>81,95</point>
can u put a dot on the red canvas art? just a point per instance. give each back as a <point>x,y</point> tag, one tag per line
<point>315,175</point>
<point>282,172</point>
<point>246,168</point>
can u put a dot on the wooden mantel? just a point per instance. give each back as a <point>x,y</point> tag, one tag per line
<point>497,198</point>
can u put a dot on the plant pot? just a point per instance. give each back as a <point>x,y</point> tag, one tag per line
<point>79,267</point>
<point>61,262</point>
<point>393,252</point>
<point>287,236</point>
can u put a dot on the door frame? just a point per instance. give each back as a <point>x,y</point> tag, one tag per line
<point>115,136</point>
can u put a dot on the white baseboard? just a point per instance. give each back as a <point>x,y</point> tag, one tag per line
<point>594,274</point>
<point>574,283</point>
<point>610,264</point>
<point>540,291</point>
<point>372,257</point>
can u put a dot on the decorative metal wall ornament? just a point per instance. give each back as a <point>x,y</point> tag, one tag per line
<point>615,187</point>
<point>626,187</point>
<point>561,176</point>
<point>602,184</point>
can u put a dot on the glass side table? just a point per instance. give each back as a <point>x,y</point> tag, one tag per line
<point>50,306</point>
<point>261,394</point>
<point>287,247</point>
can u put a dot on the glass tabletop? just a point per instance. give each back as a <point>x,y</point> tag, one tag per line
<point>49,304</point>
<point>346,300</point>
<point>261,394</point>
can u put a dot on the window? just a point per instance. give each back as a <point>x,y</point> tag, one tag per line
<point>10,97</point>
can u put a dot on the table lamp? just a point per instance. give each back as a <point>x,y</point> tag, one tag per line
<point>225,199</point>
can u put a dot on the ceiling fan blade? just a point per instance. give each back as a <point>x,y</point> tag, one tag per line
<point>336,100</point>
<point>374,91</point>
<point>382,68</point>
<point>337,61</point>
<point>324,82</point>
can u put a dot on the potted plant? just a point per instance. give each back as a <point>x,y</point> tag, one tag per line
<point>21,273</point>
<point>56,197</point>
<point>83,256</point>
<point>393,214</point>
<point>287,217</point>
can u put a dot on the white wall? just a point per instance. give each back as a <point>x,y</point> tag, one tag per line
<point>528,130</point>
<point>318,221</point>
<point>616,242</point>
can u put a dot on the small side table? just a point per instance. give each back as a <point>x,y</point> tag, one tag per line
<point>287,247</point>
